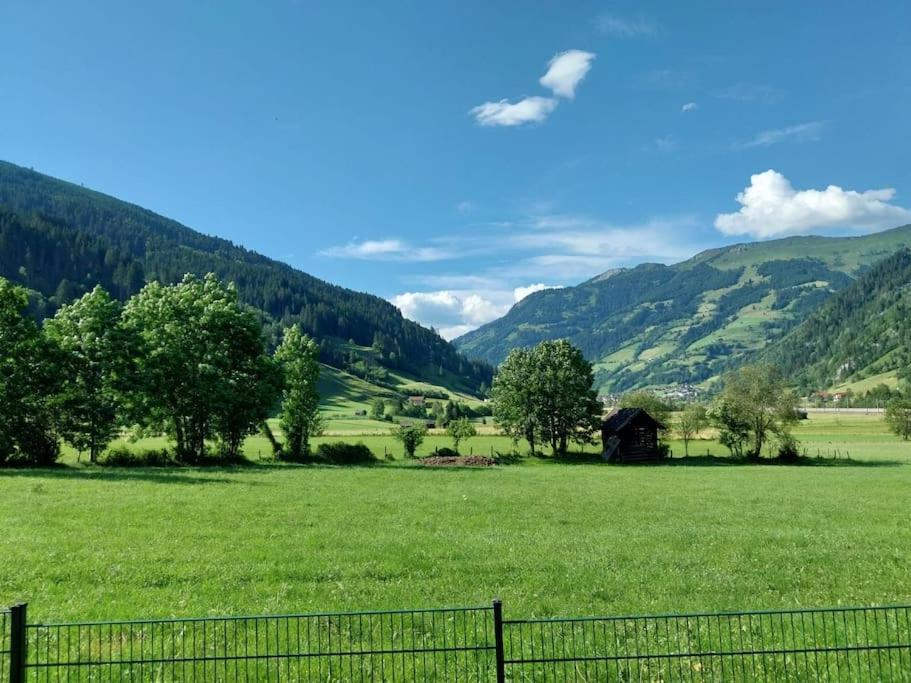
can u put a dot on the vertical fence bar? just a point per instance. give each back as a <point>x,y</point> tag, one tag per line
<point>498,640</point>
<point>18,621</point>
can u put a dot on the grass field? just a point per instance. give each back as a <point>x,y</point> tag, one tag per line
<point>572,537</point>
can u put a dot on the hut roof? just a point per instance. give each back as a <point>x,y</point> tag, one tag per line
<point>621,417</point>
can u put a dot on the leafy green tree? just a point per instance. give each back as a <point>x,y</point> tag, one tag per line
<point>514,397</point>
<point>300,417</point>
<point>460,430</point>
<point>568,408</point>
<point>898,417</point>
<point>94,352</point>
<point>439,414</point>
<point>202,369</point>
<point>651,403</point>
<point>28,375</point>
<point>547,392</point>
<point>377,408</point>
<point>410,436</point>
<point>693,419</point>
<point>754,407</point>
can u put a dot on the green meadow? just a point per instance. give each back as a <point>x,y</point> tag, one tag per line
<point>568,537</point>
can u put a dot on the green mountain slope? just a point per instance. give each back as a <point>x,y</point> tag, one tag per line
<point>59,240</point>
<point>863,332</point>
<point>686,323</point>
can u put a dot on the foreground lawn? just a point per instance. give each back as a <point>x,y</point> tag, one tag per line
<point>549,538</point>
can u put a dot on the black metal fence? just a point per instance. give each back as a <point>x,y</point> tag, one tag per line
<point>467,644</point>
<point>5,630</point>
<point>842,644</point>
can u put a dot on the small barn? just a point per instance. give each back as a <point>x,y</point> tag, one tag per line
<point>630,435</point>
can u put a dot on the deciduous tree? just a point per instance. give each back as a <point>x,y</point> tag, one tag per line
<point>898,417</point>
<point>755,406</point>
<point>460,430</point>
<point>95,352</point>
<point>300,417</point>
<point>692,420</point>
<point>28,376</point>
<point>410,436</point>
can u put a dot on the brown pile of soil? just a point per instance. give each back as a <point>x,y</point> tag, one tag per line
<point>458,461</point>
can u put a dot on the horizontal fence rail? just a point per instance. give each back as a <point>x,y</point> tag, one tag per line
<point>412,645</point>
<point>851,644</point>
<point>467,644</point>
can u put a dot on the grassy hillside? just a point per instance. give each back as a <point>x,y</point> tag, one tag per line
<point>687,323</point>
<point>857,339</point>
<point>59,240</point>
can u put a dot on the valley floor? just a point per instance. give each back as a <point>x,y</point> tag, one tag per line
<point>547,537</point>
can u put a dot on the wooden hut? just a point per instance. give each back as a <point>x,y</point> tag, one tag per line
<point>630,435</point>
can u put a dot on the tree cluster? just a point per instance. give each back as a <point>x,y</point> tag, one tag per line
<point>184,360</point>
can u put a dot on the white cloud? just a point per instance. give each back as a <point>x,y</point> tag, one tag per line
<point>454,312</point>
<point>802,132</point>
<point>613,25</point>
<point>771,207</point>
<point>506,113</point>
<point>520,293</point>
<point>688,107</point>
<point>565,71</point>
<point>386,250</point>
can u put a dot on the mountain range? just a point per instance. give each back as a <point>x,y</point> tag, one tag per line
<point>59,240</point>
<point>659,325</point>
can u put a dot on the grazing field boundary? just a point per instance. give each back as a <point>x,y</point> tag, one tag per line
<point>467,644</point>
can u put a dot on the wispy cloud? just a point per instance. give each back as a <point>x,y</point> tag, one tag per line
<point>506,113</point>
<point>387,250</point>
<point>751,92</point>
<point>663,145</point>
<point>801,132</point>
<point>565,71</point>
<point>689,107</point>
<point>771,207</point>
<point>625,27</point>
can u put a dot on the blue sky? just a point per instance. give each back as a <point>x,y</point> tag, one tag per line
<point>454,156</point>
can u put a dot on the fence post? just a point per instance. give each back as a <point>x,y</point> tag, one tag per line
<point>18,620</point>
<point>498,640</point>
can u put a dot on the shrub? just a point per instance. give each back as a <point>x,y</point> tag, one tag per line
<point>342,453</point>
<point>445,452</point>
<point>123,456</point>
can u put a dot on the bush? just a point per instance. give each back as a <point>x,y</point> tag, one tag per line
<point>445,452</point>
<point>789,448</point>
<point>342,453</point>
<point>123,456</point>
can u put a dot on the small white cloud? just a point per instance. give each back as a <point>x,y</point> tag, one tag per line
<point>688,107</point>
<point>802,132</point>
<point>465,207</point>
<point>520,293</point>
<point>613,25</point>
<point>506,113</point>
<point>386,250</point>
<point>565,71</point>
<point>771,207</point>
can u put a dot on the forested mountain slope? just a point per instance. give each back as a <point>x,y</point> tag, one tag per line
<point>59,240</point>
<point>687,323</point>
<point>860,332</point>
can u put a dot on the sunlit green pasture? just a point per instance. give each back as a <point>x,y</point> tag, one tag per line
<point>573,536</point>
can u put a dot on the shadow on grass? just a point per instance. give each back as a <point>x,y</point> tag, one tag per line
<point>156,475</point>
<point>724,461</point>
<point>715,461</point>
